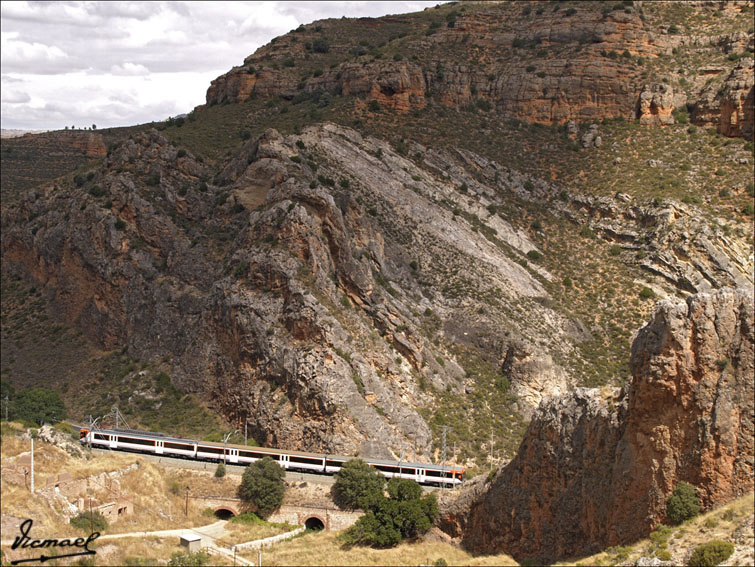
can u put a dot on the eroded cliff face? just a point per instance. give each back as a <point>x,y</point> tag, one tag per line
<point>596,466</point>
<point>277,293</point>
<point>529,62</point>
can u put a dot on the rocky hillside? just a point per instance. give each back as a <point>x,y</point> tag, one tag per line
<point>358,242</point>
<point>596,466</point>
<point>545,63</point>
<point>32,159</point>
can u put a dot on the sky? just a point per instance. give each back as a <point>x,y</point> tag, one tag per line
<point>123,63</point>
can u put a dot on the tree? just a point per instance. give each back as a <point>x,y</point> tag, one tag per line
<point>403,489</point>
<point>683,503</point>
<point>406,514</point>
<point>357,485</point>
<point>262,486</point>
<point>37,405</point>
<point>94,126</point>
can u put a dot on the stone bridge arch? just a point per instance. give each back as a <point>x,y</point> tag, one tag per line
<point>316,522</point>
<point>225,512</point>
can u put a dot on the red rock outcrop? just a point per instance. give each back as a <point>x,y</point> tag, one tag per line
<point>729,107</point>
<point>595,468</point>
<point>540,65</point>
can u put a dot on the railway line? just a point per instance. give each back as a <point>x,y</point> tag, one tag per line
<point>160,445</point>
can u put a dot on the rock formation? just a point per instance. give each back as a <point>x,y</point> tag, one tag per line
<point>534,64</point>
<point>596,466</point>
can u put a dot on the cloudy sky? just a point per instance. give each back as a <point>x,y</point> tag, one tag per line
<point>122,63</point>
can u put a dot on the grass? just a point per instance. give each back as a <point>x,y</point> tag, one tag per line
<point>158,494</point>
<point>677,542</point>
<point>323,548</point>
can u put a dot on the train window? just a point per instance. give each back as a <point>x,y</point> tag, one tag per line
<point>181,446</point>
<point>101,437</point>
<point>334,463</point>
<point>135,441</point>
<point>213,450</point>
<point>385,468</point>
<point>255,455</point>
<point>306,460</point>
<point>430,472</point>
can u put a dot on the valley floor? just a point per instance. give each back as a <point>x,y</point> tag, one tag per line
<point>157,495</point>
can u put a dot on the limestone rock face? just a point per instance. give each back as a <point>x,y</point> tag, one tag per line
<point>280,296</point>
<point>533,375</point>
<point>729,108</point>
<point>549,67</point>
<point>595,467</point>
<point>656,104</point>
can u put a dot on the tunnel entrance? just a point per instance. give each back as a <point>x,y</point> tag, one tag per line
<point>314,524</point>
<point>224,514</point>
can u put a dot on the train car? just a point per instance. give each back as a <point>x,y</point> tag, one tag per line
<point>159,444</point>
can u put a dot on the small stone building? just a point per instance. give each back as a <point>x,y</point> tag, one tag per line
<point>192,542</point>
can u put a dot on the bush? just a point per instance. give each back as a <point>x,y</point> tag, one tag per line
<point>357,484</point>
<point>534,255</point>
<point>37,405</point>
<point>189,559</point>
<point>683,503</point>
<point>119,224</point>
<point>406,514</point>
<point>220,471</point>
<point>373,106</point>
<point>320,45</point>
<point>647,293</point>
<point>711,553</point>
<point>87,522</point>
<point>262,486</point>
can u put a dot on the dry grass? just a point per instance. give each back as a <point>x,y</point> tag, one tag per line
<point>323,548</point>
<point>146,551</point>
<point>158,495</point>
<point>240,533</point>
<point>717,524</point>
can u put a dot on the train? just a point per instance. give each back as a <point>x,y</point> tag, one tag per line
<point>160,444</point>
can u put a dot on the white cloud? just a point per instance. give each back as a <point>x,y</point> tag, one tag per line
<point>120,63</point>
<point>15,97</point>
<point>129,69</point>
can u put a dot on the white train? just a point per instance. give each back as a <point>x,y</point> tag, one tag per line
<point>159,444</point>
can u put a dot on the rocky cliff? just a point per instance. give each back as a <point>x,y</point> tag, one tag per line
<point>533,62</point>
<point>596,466</point>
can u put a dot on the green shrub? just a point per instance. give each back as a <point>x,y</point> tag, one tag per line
<point>189,559</point>
<point>373,106</point>
<point>119,224</point>
<point>87,522</point>
<point>36,405</point>
<point>406,514</point>
<point>711,553</point>
<point>683,503</point>
<point>647,293</point>
<point>220,471</point>
<point>181,153</point>
<point>357,485</point>
<point>587,232</point>
<point>262,485</point>
<point>534,255</point>
<point>320,45</point>
<point>97,191</point>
